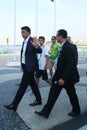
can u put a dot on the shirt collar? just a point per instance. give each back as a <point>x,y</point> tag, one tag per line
<point>26,40</point>
<point>62,43</point>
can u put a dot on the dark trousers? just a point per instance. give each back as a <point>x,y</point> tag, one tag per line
<point>54,93</point>
<point>27,79</point>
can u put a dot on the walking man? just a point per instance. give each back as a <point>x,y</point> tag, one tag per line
<point>29,64</point>
<point>43,60</point>
<point>66,75</point>
<point>54,49</point>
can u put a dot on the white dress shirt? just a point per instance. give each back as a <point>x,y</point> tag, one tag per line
<point>24,49</point>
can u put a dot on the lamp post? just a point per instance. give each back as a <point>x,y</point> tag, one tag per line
<point>54,17</point>
<point>14,30</point>
<point>36,17</point>
<point>14,63</point>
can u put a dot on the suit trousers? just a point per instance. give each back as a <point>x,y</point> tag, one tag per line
<point>27,79</point>
<point>54,93</point>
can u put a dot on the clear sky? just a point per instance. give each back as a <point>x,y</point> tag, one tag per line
<point>70,15</point>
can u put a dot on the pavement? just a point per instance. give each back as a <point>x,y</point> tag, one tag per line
<point>61,108</point>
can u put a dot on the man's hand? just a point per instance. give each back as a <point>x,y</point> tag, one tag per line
<point>61,82</point>
<point>35,42</point>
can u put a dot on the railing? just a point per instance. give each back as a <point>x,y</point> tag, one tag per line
<point>82,50</point>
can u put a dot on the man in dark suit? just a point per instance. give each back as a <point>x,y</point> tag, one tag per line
<point>66,75</point>
<point>29,64</point>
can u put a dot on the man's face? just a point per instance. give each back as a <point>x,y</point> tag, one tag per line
<point>24,33</point>
<point>58,38</point>
<point>53,40</point>
<point>41,41</point>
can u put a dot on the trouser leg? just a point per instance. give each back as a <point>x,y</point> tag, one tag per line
<point>53,95</point>
<point>70,89</point>
<point>23,86</point>
<point>35,88</point>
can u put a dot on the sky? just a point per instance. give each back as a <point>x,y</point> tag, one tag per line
<point>70,15</point>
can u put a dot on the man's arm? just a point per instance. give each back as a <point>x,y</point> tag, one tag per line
<point>47,61</point>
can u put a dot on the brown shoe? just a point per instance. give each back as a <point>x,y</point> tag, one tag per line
<point>10,107</point>
<point>35,103</point>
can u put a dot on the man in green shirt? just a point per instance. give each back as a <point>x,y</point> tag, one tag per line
<point>53,54</point>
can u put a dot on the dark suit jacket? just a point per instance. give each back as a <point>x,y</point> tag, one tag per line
<point>31,62</point>
<point>67,64</point>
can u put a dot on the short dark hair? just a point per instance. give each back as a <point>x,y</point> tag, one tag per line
<point>62,33</point>
<point>42,37</point>
<point>26,28</point>
<point>54,37</point>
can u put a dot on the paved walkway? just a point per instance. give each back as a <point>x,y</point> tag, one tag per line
<point>61,108</point>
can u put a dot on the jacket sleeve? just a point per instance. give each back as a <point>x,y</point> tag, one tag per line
<point>38,49</point>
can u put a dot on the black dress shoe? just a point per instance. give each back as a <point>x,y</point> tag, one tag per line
<point>35,103</point>
<point>10,107</point>
<point>41,113</point>
<point>74,114</point>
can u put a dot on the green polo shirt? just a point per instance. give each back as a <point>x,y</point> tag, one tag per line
<point>54,50</point>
